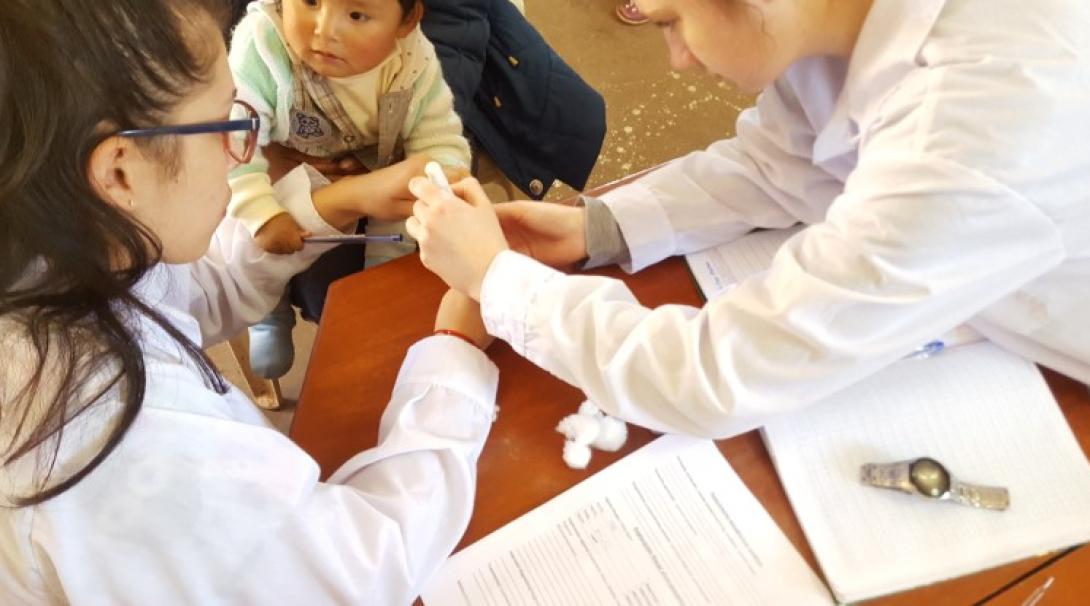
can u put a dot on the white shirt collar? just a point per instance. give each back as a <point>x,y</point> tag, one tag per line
<point>888,45</point>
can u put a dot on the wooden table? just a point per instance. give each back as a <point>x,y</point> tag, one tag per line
<point>371,319</point>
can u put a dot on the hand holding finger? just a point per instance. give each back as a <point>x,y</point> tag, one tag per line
<point>425,191</point>
<point>470,190</point>
<point>457,239</point>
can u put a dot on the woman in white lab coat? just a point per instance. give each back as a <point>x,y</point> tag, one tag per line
<point>131,472</point>
<point>937,150</point>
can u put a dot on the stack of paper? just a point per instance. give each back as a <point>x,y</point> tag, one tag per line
<point>669,524</point>
<point>987,416</point>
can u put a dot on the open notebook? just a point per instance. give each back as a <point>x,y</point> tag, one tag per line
<point>988,416</point>
<point>717,269</point>
<point>983,412</point>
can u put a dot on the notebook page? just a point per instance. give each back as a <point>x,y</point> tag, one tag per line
<point>984,413</point>
<point>669,524</point>
<point>717,269</point>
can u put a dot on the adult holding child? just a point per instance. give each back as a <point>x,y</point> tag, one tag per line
<point>131,471</point>
<point>937,150</point>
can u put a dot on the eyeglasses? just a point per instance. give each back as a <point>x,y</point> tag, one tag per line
<point>239,132</point>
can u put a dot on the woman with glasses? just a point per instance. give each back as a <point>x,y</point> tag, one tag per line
<point>130,472</point>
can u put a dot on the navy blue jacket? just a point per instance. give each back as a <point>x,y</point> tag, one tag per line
<point>518,99</point>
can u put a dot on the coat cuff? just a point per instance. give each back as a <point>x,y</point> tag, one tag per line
<point>605,241</point>
<point>507,296</point>
<point>644,225</point>
<point>456,365</point>
<point>294,191</point>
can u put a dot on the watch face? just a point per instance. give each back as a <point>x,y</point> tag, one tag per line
<point>929,477</point>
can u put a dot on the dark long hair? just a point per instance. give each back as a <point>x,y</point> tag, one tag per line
<point>71,73</point>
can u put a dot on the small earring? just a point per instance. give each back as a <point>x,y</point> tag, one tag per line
<point>131,203</point>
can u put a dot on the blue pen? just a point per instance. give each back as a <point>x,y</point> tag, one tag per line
<point>933,348</point>
<point>352,239</point>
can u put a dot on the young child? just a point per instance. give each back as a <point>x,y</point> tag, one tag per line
<point>334,78</point>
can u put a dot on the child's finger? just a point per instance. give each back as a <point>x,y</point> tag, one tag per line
<point>350,165</point>
<point>455,173</point>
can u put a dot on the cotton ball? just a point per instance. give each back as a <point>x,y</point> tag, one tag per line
<point>579,428</point>
<point>576,455</point>
<point>588,408</point>
<point>612,434</point>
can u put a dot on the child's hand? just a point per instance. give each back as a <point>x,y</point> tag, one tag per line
<point>281,235</point>
<point>461,314</point>
<point>283,159</point>
<point>455,173</point>
<point>384,193</point>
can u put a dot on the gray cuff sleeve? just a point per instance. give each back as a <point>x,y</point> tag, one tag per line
<point>605,242</point>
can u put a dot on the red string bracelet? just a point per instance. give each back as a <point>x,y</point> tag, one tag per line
<point>455,333</point>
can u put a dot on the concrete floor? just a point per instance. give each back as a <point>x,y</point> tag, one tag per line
<point>653,114</point>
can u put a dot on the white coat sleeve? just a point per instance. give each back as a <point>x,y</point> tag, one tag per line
<point>385,521</point>
<point>763,177</point>
<point>195,508</point>
<point>237,283</point>
<point>913,247</point>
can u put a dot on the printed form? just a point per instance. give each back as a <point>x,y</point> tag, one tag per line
<point>669,524</point>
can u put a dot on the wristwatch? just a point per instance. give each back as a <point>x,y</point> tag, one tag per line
<point>928,478</point>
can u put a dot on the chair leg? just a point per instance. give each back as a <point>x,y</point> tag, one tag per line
<point>266,391</point>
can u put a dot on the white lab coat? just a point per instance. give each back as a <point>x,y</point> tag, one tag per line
<point>944,173</point>
<point>203,502</point>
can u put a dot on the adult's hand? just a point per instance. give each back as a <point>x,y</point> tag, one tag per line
<point>554,234</point>
<point>458,233</point>
<point>461,314</point>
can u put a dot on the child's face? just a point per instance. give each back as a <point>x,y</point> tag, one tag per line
<point>340,38</point>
